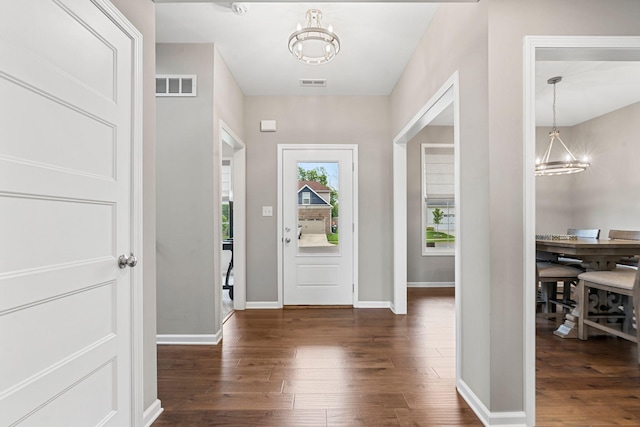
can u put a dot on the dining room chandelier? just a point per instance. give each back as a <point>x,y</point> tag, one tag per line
<point>558,167</point>
<point>314,44</point>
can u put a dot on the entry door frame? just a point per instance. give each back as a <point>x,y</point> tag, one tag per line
<point>280,236</point>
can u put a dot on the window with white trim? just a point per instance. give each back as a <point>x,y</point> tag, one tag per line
<point>438,205</point>
<point>306,198</point>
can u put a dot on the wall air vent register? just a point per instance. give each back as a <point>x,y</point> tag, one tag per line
<point>176,85</point>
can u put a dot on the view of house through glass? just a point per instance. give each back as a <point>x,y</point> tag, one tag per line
<point>438,211</point>
<point>318,215</point>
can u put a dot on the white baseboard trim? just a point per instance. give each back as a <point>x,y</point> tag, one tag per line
<point>431,284</point>
<point>373,304</point>
<point>189,339</point>
<point>488,418</point>
<point>263,305</point>
<point>152,413</point>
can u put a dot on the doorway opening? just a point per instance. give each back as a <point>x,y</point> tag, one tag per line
<point>546,54</point>
<point>232,208</point>
<point>442,108</point>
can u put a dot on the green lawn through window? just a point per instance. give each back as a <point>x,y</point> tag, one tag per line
<point>439,236</point>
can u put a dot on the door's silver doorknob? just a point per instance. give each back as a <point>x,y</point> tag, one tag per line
<point>125,261</point>
<point>287,240</point>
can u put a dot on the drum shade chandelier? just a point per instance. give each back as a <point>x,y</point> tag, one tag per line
<point>314,44</point>
<point>558,167</point>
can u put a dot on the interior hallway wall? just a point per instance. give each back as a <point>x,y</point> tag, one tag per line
<point>509,22</point>
<point>185,192</point>
<point>457,40</point>
<point>141,13</point>
<point>320,120</point>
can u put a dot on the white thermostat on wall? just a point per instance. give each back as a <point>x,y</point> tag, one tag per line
<point>267,125</point>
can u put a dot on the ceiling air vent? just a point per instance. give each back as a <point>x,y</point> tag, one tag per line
<point>313,82</point>
<point>176,85</point>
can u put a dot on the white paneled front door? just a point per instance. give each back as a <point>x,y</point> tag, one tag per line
<point>318,245</point>
<point>66,214</point>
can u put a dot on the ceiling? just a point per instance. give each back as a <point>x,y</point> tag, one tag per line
<point>378,39</point>
<point>588,89</point>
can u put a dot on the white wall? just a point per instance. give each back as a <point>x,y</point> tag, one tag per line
<point>320,120</point>
<point>141,13</point>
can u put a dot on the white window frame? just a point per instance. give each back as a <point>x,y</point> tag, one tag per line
<point>432,251</point>
<point>306,198</point>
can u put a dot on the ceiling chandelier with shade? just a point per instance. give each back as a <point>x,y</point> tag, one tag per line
<point>314,44</point>
<point>565,166</point>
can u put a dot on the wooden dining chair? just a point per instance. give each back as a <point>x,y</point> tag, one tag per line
<point>548,274</point>
<point>623,282</point>
<point>565,270</point>
<point>626,235</point>
<point>584,233</point>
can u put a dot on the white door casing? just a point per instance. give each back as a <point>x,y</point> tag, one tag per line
<point>70,205</point>
<point>238,179</point>
<point>317,276</point>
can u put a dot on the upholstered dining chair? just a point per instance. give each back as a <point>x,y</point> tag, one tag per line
<point>624,282</point>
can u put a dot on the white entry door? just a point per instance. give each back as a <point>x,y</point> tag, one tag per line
<point>318,225</point>
<point>66,135</point>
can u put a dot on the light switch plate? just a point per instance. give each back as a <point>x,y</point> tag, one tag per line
<point>267,211</point>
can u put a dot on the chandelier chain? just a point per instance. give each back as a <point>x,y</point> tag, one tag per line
<point>554,106</point>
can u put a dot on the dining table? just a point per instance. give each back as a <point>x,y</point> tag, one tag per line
<point>594,254</point>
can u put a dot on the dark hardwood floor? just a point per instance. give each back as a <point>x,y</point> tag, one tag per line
<point>585,383</point>
<point>320,367</point>
<point>368,367</point>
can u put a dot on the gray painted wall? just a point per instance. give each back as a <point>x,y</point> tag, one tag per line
<point>421,268</point>
<point>509,22</point>
<point>553,202</point>
<point>320,120</point>
<point>141,13</point>
<point>188,156</point>
<point>185,191</point>
<point>606,195</point>
<point>457,40</point>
